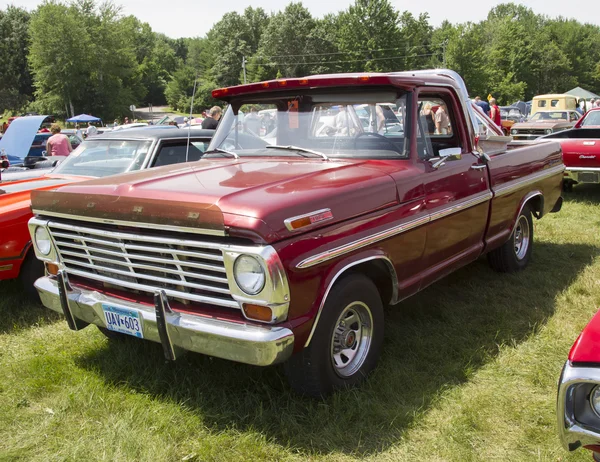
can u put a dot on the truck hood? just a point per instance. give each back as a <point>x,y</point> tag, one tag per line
<point>246,197</point>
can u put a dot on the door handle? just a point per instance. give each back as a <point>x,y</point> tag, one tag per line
<point>477,167</point>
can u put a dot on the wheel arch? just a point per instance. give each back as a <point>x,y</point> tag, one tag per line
<point>378,268</point>
<point>535,199</point>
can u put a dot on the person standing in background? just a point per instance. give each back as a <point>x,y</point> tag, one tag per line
<point>58,144</point>
<point>211,122</point>
<point>495,113</point>
<point>485,107</point>
<point>91,130</point>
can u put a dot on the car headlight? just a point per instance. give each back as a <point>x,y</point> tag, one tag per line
<point>249,274</point>
<point>548,131</point>
<point>595,400</point>
<point>42,240</point>
<point>514,132</point>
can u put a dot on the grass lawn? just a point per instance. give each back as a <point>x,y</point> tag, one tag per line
<point>468,373</point>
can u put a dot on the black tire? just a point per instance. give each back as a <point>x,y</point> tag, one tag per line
<point>567,186</point>
<point>511,256</point>
<point>312,372</point>
<point>31,270</point>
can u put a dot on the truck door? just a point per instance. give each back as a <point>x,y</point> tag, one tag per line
<point>456,183</point>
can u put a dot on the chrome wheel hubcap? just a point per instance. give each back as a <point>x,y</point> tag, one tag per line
<point>351,339</point>
<point>522,236</point>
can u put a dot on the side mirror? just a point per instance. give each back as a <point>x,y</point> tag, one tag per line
<point>4,164</point>
<point>444,155</point>
<point>44,153</point>
<point>454,153</point>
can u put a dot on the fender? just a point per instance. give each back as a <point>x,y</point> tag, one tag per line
<point>342,267</point>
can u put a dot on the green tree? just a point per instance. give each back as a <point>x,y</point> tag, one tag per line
<point>231,39</point>
<point>15,79</point>
<point>369,36</point>
<point>288,47</point>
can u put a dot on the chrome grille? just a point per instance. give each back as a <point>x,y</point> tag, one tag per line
<point>187,270</point>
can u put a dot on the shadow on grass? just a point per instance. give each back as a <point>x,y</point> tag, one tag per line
<point>434,341</point>
<point>17,311</point>
<point>583,193</point>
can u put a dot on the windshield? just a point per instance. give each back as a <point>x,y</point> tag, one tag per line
<point>553,116</point>
<point>100,158</point>
<point>369,124</point>
<point>592,119</point>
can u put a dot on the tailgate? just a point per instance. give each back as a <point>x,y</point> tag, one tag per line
<point>581,153</point>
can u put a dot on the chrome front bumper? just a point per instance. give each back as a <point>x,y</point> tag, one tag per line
<point>245,343</point>
<point>575,174</point>
<point>573,433</point>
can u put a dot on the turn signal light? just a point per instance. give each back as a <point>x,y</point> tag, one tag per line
<point>51,268</point>
<point>282,83</point>
<point>265,84</point>
<point>257,312</point>
<point>303,81</point>
<point>364,78</point>
<point>300,223</point>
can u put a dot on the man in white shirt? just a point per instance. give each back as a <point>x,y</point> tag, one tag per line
<point>91,130</point>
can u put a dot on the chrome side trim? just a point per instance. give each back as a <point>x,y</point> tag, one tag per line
<point>288,221</point>
<point>393,275</point>
<point>399,229</point>
<point>360,243</point>
<point>572,433</point>
<point>133,224</point>
<point>519,183</point>
<point>461,206</point>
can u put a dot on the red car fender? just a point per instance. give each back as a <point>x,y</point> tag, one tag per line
<point>586,348</point>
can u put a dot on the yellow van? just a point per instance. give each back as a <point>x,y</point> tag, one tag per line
<point>553,103</point>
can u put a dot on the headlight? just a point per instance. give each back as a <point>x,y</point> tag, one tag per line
<point>514,132</point>
<point>42,240</point>
<point>548,131</point>
<point>249,274</point>
<point>595,400</point>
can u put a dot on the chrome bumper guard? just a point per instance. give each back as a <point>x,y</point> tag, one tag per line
<point>244,343</point>
<point>574,434</point>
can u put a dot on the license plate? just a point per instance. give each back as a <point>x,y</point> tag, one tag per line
<point>587,177</point>
<point>123,320</point>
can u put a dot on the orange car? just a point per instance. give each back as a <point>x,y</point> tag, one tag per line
<point>104,155</point>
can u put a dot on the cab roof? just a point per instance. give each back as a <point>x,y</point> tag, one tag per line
<point>406,80</point>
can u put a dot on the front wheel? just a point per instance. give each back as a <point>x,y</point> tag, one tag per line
<point>347,341</point>
<point>514,254</point>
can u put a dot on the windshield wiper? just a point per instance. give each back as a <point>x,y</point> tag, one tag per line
<point>222,151</point>
<point>299,149</point>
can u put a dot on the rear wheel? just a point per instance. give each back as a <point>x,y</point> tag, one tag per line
<point>514,255</point>
<point>31,270</point>
<point>347,342</point>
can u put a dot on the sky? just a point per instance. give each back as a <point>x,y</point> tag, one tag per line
<point>195,18</point>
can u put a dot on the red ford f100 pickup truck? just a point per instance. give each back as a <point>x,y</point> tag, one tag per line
<point>581,150</point>
<point>319,201</point>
